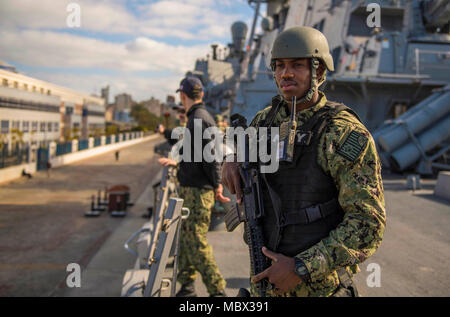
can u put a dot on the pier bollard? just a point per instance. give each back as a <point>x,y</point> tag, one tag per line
<point>413,182</point>
<point>442,189</point>
<point>100,205</point>
<point>94,212</point>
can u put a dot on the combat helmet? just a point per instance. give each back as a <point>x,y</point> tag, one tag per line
<point>303,42</point>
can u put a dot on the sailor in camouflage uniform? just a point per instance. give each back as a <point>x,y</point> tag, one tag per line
<point>330,214</point>
<point>199,187</point>
<point>196,253</point>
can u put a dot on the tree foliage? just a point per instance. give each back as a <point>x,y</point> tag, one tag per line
<point>145,118</point>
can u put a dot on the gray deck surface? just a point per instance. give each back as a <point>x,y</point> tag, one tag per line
<point>42,229</point>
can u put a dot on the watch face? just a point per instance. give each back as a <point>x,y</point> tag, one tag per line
<point>301,270</point>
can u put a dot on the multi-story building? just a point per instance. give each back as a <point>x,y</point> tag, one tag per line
<point>154,106</point>
<point>123,102</point>
<point>123,116</point>
<point>121,108</point>
<point>109,112</point>
<point>28,117</point>
<point>38,112</point>
<point>105,94</point>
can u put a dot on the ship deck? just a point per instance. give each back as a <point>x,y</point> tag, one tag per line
<point>42,230</point>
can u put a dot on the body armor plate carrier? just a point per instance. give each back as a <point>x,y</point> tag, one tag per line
<point>300,200</point>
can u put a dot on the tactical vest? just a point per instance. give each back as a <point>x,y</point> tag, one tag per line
<point>300,200</point>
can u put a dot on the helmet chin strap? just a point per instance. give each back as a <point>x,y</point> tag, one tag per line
<point>315,84</point>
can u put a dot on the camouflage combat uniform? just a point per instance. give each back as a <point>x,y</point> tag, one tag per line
<point>357,176</point>
<point>195,252</point>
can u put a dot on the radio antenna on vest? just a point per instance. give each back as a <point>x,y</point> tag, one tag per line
<point>293,110</point>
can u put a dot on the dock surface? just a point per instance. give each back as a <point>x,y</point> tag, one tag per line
<point>42,230</point>
<point>42,223</point>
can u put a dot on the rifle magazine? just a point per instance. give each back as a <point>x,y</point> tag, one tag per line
<point>232,219</point>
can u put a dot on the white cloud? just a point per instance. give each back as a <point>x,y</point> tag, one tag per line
<point>110,16</point>
<point>34,14</point>
<point>51,49</point>
<point>178,19</point>
<point>33,33</point>
<point>141,88</point>
<point>172,8</point>
<point>127,60</point>
<point>201,20</point>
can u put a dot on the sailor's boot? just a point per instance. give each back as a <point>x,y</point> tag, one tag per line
<point>187,290</point>
<point>219,294</point>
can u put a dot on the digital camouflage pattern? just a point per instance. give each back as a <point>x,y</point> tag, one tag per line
<point>195,252</point>
<point>348,154</point>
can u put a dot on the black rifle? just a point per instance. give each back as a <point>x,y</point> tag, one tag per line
<point>251,211</point>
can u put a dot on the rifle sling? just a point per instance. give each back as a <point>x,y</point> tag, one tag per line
<point>267,122</point>
<point>276,203</point>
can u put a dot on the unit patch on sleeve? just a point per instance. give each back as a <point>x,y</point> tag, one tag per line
<point>353,146</point>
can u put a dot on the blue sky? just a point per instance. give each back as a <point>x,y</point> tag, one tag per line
<point>135,46</point>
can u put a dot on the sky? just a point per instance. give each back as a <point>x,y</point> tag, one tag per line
<point>143,48</point>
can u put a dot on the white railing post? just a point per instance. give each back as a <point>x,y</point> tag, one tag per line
<point>91,143</point>
<point>74,145</point>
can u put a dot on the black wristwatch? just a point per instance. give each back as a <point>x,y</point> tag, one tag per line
<point>301,270</point>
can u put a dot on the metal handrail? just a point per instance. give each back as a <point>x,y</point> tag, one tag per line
<point>132,237</point>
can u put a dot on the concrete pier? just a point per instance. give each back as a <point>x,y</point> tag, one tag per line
<point>42,223</point>
<point>42,230</point>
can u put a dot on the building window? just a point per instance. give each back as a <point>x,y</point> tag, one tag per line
<point>5,82</point>
<point>16,125</point>
<point>34,88</point>
<point>42,129</point>
<point>42,90</point>
<point>16,84</point>
<point>49,126</point>
<point>56,126</point>
<point>25,86</point>
<point>69,111</point>
<point>25,126</point>
<point>49,92</point>
<point>5,126</point>
<point>34,126</point>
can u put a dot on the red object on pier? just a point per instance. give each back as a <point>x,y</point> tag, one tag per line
<point>119,196</point>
